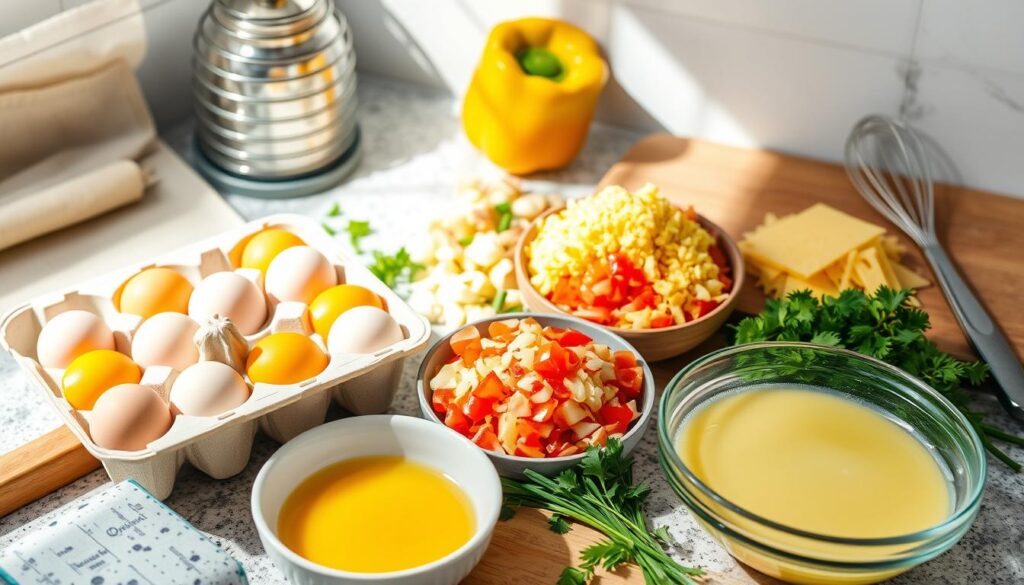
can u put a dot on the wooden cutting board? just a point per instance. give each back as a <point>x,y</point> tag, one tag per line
<point>734,188</point>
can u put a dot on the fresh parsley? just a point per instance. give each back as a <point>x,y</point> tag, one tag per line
<point>335,210</point>
<point>600,493</point>
<point>884,326</point>
<point>357,230</point>
<point>392,269</point>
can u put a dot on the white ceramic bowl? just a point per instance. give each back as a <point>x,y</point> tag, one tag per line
<point>417,439</point>
<point>513,466</point>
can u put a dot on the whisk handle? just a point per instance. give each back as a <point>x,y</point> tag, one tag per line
<point>989,341</point>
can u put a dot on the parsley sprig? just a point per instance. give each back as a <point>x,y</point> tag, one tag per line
<point>394,268</point>
<point>883,326</point>
<point>600,493</point>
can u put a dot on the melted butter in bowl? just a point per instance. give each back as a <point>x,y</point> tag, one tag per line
<point>816,461</point>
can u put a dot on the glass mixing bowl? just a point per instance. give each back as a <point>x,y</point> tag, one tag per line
<point>795,555</point>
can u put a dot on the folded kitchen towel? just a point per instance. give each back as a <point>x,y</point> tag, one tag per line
<point>73,119</point>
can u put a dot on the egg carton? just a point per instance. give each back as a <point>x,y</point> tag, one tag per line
<point>220,445</point>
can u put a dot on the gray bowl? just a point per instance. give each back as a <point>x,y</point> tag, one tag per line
<point>513,466</point>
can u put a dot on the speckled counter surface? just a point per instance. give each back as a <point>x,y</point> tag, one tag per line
<point>413,155</point>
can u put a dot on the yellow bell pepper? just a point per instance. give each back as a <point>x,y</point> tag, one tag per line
<point>533,94</point>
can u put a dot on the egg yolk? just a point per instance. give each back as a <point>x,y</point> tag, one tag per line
<point>266,245</point>
<point>93,373</point>
<point>331,303</point>
<point>155,290</point>
<point>285,358</point>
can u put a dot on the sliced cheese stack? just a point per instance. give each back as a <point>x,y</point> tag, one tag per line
<point>825,251</point>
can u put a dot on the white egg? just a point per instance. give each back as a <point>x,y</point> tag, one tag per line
<point>363,330</point>
<point>208,389</point>
<point>69,335</point>
<point>299,274</point>
<point>166,339</point>
<point>231,295</point>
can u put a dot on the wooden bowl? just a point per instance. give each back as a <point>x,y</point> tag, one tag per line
<point>653,344</point>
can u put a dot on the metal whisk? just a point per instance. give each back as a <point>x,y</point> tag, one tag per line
<point>888,165</point>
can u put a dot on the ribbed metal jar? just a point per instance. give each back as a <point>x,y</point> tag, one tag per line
<point>274,87</point>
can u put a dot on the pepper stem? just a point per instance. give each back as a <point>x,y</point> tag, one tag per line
<point>541,62</point>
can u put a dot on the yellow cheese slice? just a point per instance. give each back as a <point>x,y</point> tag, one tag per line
<point>908,278</point>
<point>804,244</point>
<point>834,272</point>
<point>819,285</point>
<point>883,261</point>
<point>773,287</point>
<point>869,270</point>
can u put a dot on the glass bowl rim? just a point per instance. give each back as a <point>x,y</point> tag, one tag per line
<point>947,409</point>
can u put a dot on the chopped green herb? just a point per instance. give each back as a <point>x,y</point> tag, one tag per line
<point>504,222</point>
<point>600,493</point>
<point>395,268</point>
<point>330,231</point>
<point>883,326</point>
<point>335,210</point>
<point>357,230</point>
<point>504,216</point>
<point>499,301</point>
<point>466,240</point>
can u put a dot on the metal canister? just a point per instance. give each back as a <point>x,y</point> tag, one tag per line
<point>274,89</point>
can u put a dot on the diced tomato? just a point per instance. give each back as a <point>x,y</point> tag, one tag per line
<point>455,357</point>
<point>615,415</point>
<point>471,352</point>
<point>504,330</point>
<point>599,437</point>
<point>544,411</point>
<point>456,420</point>
<point>486,438</point>
<point>662,321</point>
<point>718,257</point>
<point>442,399</point>
<point>600,315</point>
<point>624,359</point>
<point>574,338</point>
<point>569,413</point>
<point>630,380</point>
<point>526,450</point>
<point>705,307</point>
<point>491,387</point>
<point>726,281</point>
<point>464,337</point>
<point>533,430</point>
<point>552,367</point>
<point>477,408</point>
<point>568,450</point>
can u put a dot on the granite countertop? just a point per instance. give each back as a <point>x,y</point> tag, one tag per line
<point>413,154</point>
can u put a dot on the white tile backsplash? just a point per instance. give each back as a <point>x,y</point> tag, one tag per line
<point>984,34</point>
<point>745,87</point>
<point>977,118</point>
<point>18,14</point>
<point>166,72</point>
<point>787,74</point>
<point>885,26</point>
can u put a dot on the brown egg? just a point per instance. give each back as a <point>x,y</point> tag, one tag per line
<point>128,417</point>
